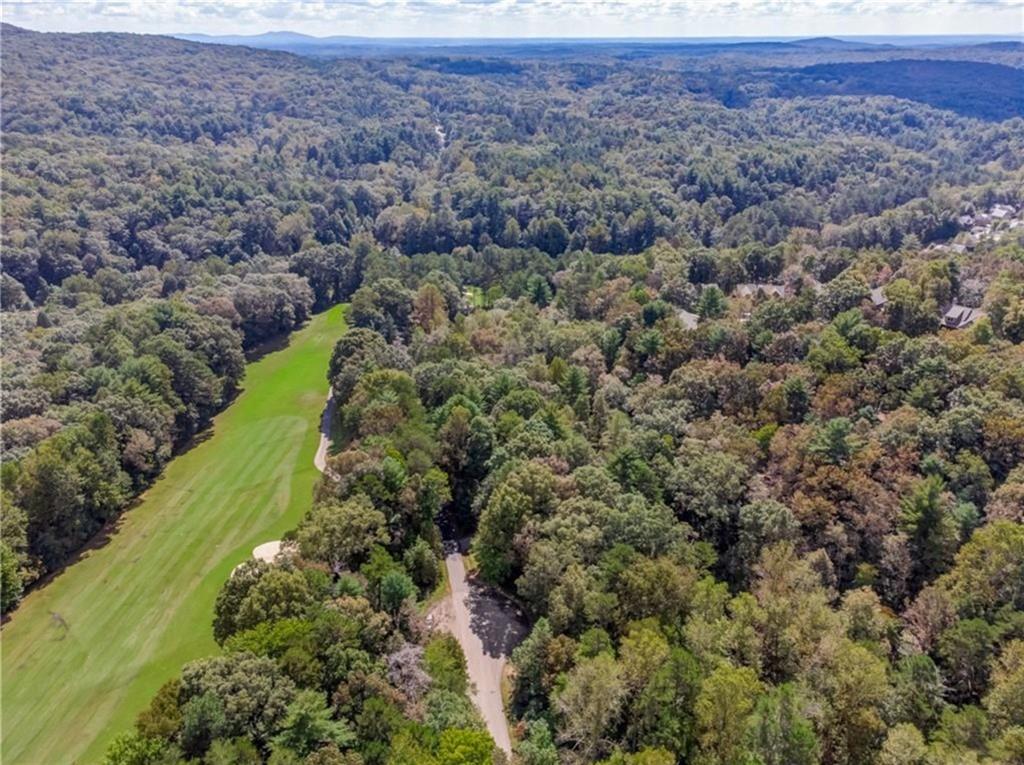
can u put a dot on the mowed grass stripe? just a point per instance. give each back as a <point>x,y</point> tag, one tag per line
<point>141,605</point>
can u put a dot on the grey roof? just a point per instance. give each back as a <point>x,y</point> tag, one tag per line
<point>750,290</point>
<point>958,316</point>
<point>878,298</point>
<point>688,318</point>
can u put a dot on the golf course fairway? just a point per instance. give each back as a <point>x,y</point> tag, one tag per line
<point>84,654</point>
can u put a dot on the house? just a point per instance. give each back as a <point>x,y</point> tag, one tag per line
<point>960,316</point>
<point>965,221</point>
<point>755,290</point>
<point>878,298</point>
<point>688,319</point>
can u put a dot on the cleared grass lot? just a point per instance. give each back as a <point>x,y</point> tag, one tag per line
<point>84,654</point>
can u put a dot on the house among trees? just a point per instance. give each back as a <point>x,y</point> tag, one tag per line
<point>960,316</point>
<point>999,212</point>
<point>688,318</point>
<point>756,289</point>
<point>878,298</point>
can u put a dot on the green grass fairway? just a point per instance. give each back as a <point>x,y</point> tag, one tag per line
<point>140,606</point>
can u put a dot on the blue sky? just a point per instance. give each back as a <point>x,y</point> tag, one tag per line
<point>525,18</point>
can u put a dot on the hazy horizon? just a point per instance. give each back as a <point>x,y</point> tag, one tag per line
<point>529,19</point>
<point>293,34</point>
<point>619,38</point>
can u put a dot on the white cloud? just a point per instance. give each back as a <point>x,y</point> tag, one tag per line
<point>512,18</point>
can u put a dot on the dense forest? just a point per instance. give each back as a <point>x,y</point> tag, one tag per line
<point>666,335</point>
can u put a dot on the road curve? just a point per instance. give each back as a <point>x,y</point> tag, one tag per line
<point>487,627</point>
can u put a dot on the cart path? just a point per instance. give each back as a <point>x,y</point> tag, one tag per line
<point>320,458</point>
<point>84,654</point>
<point>268,551</point>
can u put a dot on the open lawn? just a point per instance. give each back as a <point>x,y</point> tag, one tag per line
<point>84,654</point>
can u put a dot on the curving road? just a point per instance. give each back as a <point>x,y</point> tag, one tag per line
<point>487,626</point>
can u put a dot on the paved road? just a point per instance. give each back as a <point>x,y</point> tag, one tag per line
<point>487,627</point>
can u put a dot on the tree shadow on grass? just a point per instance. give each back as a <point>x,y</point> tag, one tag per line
<point>103,536</point>
<point>272,345</point>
